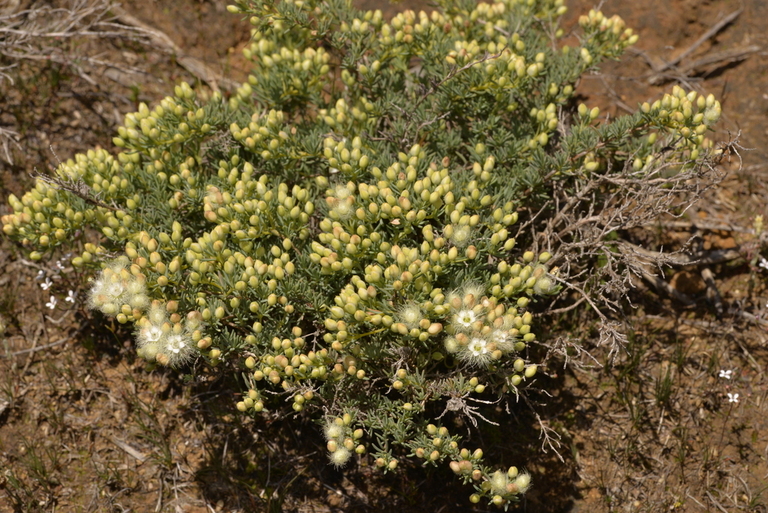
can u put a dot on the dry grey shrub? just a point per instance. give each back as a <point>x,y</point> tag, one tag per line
<point>590,236</point>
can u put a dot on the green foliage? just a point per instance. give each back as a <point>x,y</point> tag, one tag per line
<point>341,229</point>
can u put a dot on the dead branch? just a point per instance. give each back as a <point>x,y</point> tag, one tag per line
<point>702,225</point>
<point>681,259</point>
<point>717,27</point>
<point>583,225</point>
<point>7,138</point>
<point>713,295</point>
<point>77,187</point>
<point>672,70</point>
<point>36,34</point>
<point>159,39</point>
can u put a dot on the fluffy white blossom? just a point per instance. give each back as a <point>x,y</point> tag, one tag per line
<point>465,318</point>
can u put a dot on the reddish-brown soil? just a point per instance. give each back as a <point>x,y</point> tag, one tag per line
<point>85,427</point>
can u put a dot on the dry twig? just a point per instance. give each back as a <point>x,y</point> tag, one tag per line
<point>674,70</point>
<point>37,34</point>
<point>159,39</point>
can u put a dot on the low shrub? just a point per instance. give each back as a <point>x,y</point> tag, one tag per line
<point>354,231</point>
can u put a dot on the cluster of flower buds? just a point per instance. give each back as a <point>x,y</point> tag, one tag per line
<point>264,50</point>
<point>251,402</point>
<point>47,217</point>
<point>466,464</point>
<point>686,115</point>
<point>504,485</point>
<point>286,365</point>
<point>403,28</point>
<point>500,487</point>
<point>285,73</point>
<point>519,280</point>
<point>174,121</point>
<point>371,19</point>
<point>345,121</point>
<point>604,36</point>
<point>436,445</point>
<point>352,163</point>
<point>252,209</point>
<point>342,440</point>
<point>265,136</point>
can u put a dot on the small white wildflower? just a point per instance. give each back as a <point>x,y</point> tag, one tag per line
<point>59,265</point>
<point>763,263</point>
<point>40,275</point>
<point>725,374</point>
<point>46,284</point>
<point>733,398</point>
<point>52,303</point>
<point>71,297</point>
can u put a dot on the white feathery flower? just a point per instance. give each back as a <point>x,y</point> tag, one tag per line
<point>410,315</point>
<point>478,347</point>
<point>150,334</point>
<point>175,350</point>
<point>176,344</point>
<point>333,431</point>
<point>340,457</point>
<point>499,337</point>
<point>502,339</point>
<point>477,352</point>
<point>114,289</point>
<point>465,318</point>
